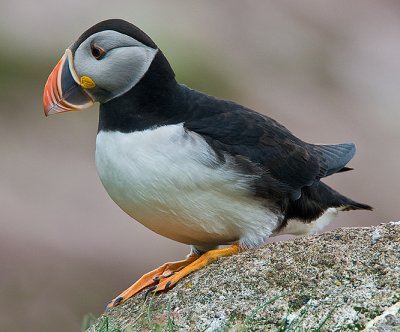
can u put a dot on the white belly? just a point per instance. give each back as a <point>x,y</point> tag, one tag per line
<point>169,180</point>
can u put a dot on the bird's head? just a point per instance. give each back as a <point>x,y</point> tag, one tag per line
<point>107,60</point>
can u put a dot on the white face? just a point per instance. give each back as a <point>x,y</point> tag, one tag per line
<point>114,61</point>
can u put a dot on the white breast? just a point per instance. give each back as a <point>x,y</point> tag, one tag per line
<point>169,180</point>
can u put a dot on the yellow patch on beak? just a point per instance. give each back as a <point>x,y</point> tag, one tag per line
<point>87,82</point>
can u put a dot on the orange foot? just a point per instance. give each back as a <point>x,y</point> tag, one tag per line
<point>168,274</point>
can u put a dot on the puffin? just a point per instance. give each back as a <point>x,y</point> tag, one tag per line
<point>203,171</point>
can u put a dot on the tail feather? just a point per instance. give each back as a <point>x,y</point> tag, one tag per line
<point>316,199</point>
<point>345,169</point>
<point>356,206</point>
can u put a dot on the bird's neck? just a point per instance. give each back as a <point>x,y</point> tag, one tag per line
<point>148,104</point>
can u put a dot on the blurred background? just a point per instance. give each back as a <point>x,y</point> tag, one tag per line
<point>329,71</point>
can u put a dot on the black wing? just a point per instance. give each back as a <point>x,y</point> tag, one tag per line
<point>286,164</point>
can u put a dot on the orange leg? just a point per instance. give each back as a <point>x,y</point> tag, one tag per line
<point>152,278</point>
<point>167,275</point>
<point>197,264</point>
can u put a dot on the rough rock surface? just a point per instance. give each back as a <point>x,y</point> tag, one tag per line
<point>347,279</point>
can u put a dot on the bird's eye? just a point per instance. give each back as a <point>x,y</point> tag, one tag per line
<point>97,52</point>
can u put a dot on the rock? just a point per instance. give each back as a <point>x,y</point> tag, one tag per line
<point>387,321</point>
<point>347,279</point>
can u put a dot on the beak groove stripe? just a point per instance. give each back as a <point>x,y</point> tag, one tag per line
<point>63,91</point>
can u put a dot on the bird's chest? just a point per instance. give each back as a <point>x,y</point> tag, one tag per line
<point>144,168</point>
<point>171,182</point>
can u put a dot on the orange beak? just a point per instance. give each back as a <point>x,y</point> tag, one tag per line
<point>63,91</point>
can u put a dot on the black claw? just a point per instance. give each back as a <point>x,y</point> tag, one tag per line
<point>168,284</point>
<point>118,301</point>
<point>148,291</point>
<point>156,278</point>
